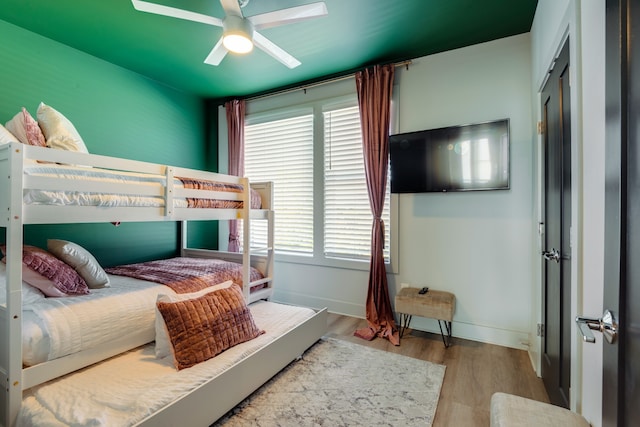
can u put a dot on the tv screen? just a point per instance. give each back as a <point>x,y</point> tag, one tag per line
<point>456,158</point>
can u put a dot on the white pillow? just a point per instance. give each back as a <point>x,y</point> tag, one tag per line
<point>81,260</point>
<point>59,131</point>
<point>163,345</point>
<point>6,136</point>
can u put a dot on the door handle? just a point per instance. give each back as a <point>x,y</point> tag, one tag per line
<point>552,255</point>
<point>607,324</point>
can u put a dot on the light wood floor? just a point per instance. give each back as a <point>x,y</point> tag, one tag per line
<point>474,370</point>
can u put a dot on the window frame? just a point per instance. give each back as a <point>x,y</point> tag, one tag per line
<point>281,106</point>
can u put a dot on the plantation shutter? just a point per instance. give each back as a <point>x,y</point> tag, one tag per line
<point>347,213</point>
<point>282,151</point>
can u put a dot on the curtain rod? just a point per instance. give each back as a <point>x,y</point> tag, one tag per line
<point>319,83</point>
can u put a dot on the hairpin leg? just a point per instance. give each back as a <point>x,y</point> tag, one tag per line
<point>405,319</point>
<point>448,327</point>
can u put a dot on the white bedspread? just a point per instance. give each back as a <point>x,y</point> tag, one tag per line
<point>124,390</point>
<point>56,327</point>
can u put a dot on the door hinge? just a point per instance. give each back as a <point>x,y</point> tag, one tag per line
<point>540,330</point>
<point>540,127</point>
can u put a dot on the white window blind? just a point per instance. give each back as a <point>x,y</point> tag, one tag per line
<point>282,151</point>
<point>347,213</point>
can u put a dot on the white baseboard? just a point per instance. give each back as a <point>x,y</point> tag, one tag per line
<point>485,334</point>
<point>468,331</point>
<point>334,306</point>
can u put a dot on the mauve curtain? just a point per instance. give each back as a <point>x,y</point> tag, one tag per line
<point>235,124</point>
<point>374,86</point>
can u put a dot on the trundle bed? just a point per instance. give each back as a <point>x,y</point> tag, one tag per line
<point>104,375</point>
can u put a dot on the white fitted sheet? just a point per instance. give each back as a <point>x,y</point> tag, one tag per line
<point>125,389</point>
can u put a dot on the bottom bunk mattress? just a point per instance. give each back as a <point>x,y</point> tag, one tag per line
<point>128,388</point>
<point>54,327</point>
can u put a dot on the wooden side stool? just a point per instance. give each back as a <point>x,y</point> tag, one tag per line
<point>433,304</point>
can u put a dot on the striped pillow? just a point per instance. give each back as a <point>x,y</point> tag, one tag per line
<point>24,127</point>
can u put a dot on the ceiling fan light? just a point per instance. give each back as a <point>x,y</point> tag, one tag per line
<point>237,34</point>
<point>237,43</point>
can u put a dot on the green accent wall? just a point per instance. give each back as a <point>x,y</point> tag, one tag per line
<point>118,113</point>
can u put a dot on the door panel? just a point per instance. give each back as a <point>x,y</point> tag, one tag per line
<point>556,344</point>
<point>565,244</point>
<point>621,360</point>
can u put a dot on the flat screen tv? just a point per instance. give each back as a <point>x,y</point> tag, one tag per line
<point>456,158</point>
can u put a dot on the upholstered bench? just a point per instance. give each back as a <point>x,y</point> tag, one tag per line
<point>433,304</point>
<point>508,410</point>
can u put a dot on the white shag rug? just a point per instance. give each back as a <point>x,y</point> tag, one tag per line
<point>338,383</point>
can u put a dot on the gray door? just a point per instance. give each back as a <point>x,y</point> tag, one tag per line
<point>621,358</point>
<point>556,341</point>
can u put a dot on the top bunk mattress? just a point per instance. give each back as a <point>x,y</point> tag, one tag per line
<point>130,189</point>
<point>126,389</point>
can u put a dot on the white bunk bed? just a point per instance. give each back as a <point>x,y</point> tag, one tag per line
<point>211,398</point>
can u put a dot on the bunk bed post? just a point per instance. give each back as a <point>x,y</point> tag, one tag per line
<point>11,318</point>
<point>169,191</point>
<point>246,244</point>
<point>271,250</point>
<point>183,237</point>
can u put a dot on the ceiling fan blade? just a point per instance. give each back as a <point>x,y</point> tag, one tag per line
<point>173,12</point>
<point>268,46</point>
<point>231,7</point>
<point>289,15</point>
<point>217,54</point>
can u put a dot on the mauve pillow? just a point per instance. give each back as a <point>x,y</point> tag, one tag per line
<point>64,278</point>
<point>37,280</point>
<point>204,327</point>
<point>31,293</point>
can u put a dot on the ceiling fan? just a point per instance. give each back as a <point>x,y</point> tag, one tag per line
<point>240,33</point>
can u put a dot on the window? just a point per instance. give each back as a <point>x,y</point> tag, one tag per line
<point>347,213</point>
<point>313,154</point>
<point>282,151</point>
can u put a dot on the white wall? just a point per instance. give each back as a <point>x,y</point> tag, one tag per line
<point>478,245</point>
<point>583,23</point>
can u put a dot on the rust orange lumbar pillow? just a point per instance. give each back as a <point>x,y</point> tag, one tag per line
<point>163,345</point>
<point>203,327</point>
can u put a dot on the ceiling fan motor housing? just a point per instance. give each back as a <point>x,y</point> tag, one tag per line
<point>237,34</point>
